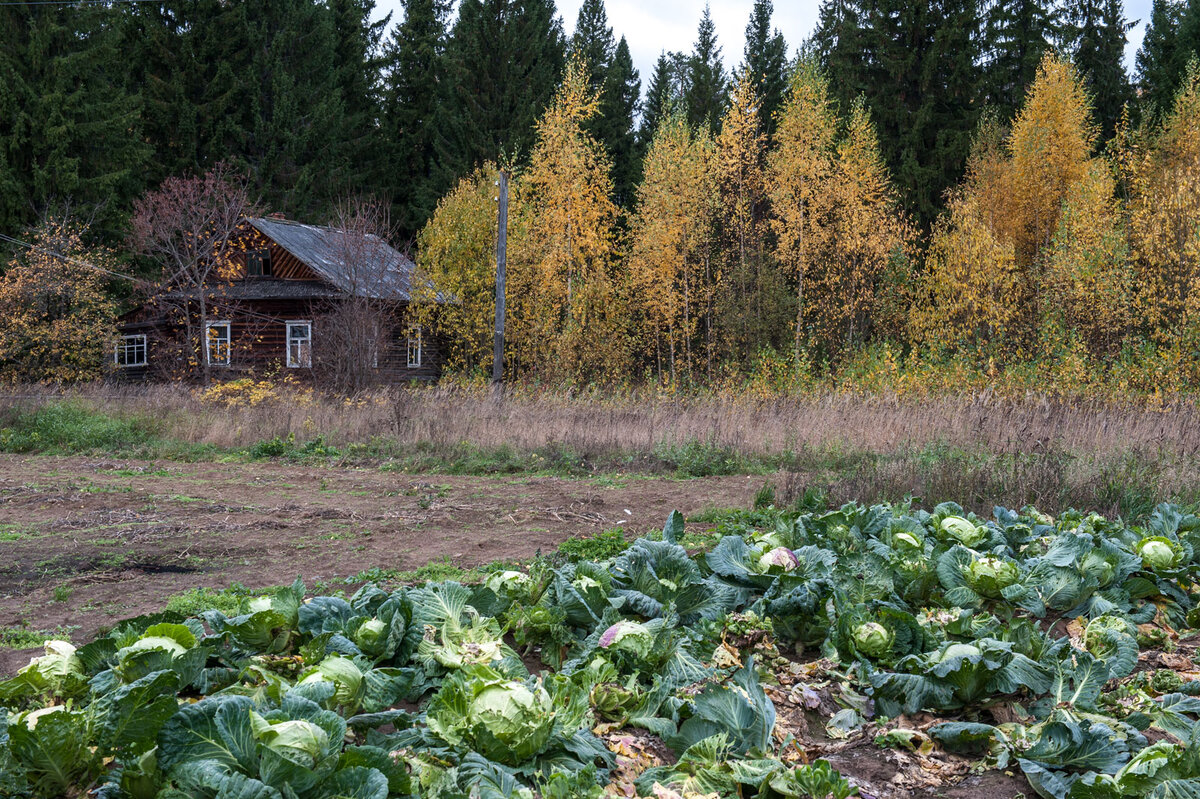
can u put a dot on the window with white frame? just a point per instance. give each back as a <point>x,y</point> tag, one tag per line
<point>217,343</point>
<point>414,346</point>
<point>299,344</point>
<point>131,350</point>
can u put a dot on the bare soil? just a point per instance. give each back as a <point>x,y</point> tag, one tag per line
<point>114,539</point>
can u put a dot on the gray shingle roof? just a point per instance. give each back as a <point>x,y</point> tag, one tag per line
<point>370,267</point>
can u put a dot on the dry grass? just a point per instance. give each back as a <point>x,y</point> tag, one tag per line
<point>595,425</point>
<point>977,450</point>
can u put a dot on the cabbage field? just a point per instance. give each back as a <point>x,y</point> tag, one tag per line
<point>762,660</point>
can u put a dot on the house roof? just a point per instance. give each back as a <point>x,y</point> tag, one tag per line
<point>367,267</point>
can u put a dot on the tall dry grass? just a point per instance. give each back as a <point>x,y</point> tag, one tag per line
<point>597,424</point>
<point>978,450</point>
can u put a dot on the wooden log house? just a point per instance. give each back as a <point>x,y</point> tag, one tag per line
<point>266,315</point>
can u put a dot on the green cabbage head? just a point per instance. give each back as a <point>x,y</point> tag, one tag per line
<point>296,740</point>
<point>507,583</point>
<point>371,636</point>
<point>504,720</point>
<point>343,673</point>
<point>57,668</point>
<point>873,639</point>
<point>989,575</point>
<point>1158,553</point>
<point>965,531</point>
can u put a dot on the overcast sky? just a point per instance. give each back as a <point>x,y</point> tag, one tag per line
<point>652,26</point>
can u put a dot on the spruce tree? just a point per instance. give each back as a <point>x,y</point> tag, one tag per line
<point>593,42</point>
<point>1018,34</point>
<point>72,128</point>
<point>504,61</point>
<point>618,107</point>
<point>1095,32</point>
<point>414,68</point>
<point>293,84</point>
<point>664,93</point>
<point>707,83</point>
<point>839,45</point>
<point>357,63</point>
<point>766,59</point>
<point>1156,58</point>
<point>917,68</point>
<point>612,76</point>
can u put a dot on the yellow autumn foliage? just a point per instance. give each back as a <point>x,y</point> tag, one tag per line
<point>59,322</point>
<point>801,170</point>
<point>1050,147</point>
<point>571,316</point>
<point>670,232</point>
<point>1161,171</point>
<point>458,260</point>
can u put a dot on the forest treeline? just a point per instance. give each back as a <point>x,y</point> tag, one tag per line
<point>965,186</point>
<point>318,99</point>
<point>788,257</point>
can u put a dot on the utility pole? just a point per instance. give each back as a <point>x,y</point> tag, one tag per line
<point>501,267</point>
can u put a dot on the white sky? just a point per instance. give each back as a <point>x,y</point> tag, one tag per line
<point>652,26</point>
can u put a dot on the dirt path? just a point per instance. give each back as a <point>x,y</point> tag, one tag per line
<point>84,542</point>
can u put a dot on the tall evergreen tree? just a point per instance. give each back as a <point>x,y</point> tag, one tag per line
<point>357,56</point>
<point>707,84</point>
<point>1019,33</point>
<point>839,44</point>
<point>1096,33</point>
<point>292,80</point>
<point>611,75</point>
<point>414,69</point>
<point>664,92</point>
<point>593,42</point>
<point>503,62</point>
<point>1157,57</point>
<point>766,59</point>
<point>618,107</point>
<point>917,68</point>
<point>70,134</point>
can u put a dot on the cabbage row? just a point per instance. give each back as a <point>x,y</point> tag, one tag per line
<point>1023,637</point>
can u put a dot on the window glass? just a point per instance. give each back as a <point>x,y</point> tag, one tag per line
<point>216,343</point>
<point>299,344</point>
<point>414,346</point>
<point>131,350</point>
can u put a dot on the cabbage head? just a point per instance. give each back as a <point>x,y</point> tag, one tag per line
<point>298,741</point>
<point>778,561</point>
<point>346,677</point>
<point>371,636</point>
<point>989,575</point>
<point>873,639</point>
<point>59,671</point>
<point>508,721</point>
<point>507,583</point>
<point>628,636</point>
<point>963,530</point>
<point>1158,553</point>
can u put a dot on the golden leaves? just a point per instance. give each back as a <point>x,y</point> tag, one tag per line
<point>58,319</point>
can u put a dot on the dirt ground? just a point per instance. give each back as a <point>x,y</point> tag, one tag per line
<point>86,542</point>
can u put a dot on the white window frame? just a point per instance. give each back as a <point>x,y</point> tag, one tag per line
<point>130,342</point>
<point>414,336</point>
<point>228,339</point>
<point>296,362</point>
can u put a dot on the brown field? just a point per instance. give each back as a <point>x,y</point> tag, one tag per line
<point>117,538</point>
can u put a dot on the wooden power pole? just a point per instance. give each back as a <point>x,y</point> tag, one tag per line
<point>501,267</point>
